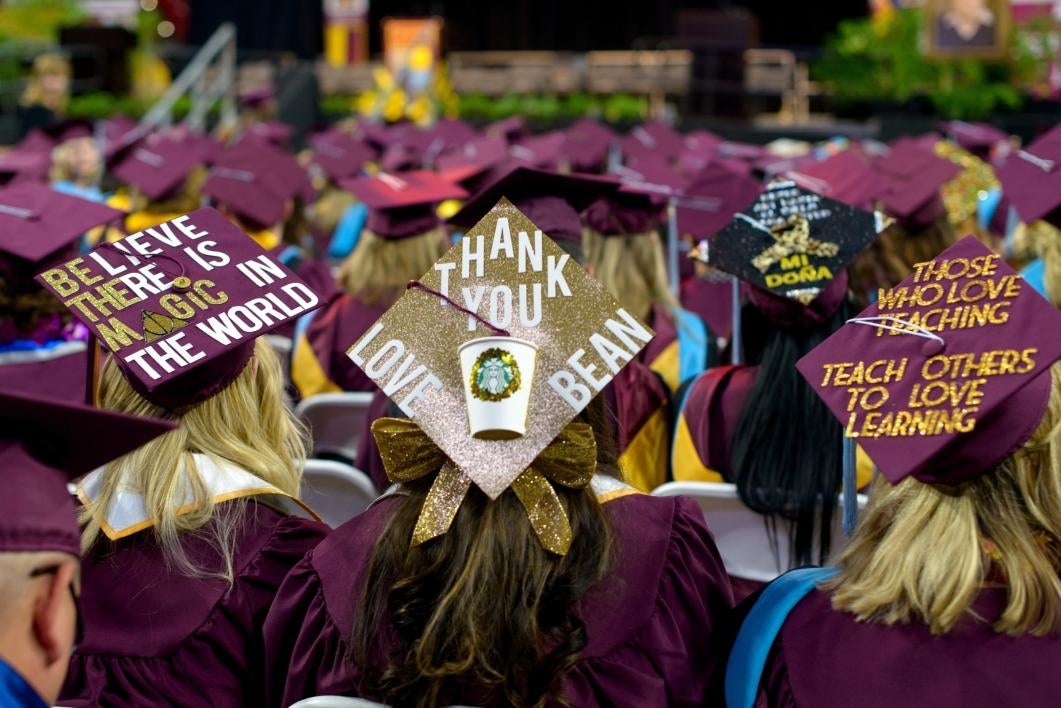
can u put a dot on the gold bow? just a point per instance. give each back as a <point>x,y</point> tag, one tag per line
<point>569,460</point>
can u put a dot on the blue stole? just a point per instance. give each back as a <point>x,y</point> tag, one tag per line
<point>15,692</point>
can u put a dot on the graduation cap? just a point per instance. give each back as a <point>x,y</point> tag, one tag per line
<point>977,138</point>
<point>792,242</point>
<point>948,373</point>
<point>256,182</point>
<point>653,137</point>
<point>550,199</point>
<point>914,175</point>
<point>402,205</point>
<point>30,158</point>
<point>534,371</point>
<point>273,132</point>
<point>462,163</point>
<point>710,200</point>
<point>1031,179</point>
<point>401,157</point>
<point>179,305</point>
<point>39,222</point>
<point>159,167</point>
<point>509,129</point>
<point>545,151</point>
<point>338,155</point>
<point>44,444</point>
<point>637,206</point>
<point>587,145</point>
<point>845,176</point>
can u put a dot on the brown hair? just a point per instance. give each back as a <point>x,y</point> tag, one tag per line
<point>922,553</point>
<point>483,607</point>
<point>379,268</point>
<point>891,257</point>
<point>188,198</point>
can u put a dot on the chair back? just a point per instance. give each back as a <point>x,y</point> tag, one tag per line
<point>336,421</point>
<point>337,492</point>
<point>741,535</point>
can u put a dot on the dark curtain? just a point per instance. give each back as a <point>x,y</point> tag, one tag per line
<point>294,26</point>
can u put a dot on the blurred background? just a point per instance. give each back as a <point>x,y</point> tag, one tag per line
<point>750,71</point>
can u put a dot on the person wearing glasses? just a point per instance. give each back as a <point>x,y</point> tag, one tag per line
<point>44,444</point>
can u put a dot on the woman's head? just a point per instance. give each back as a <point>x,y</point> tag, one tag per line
<point>922,552</point>
<point>483,605</point>
<point>49,83</point>
<point>891,257</point>
<point>186,199</point>
<point>247,424</point>
<point>379,268</point>
<point>77,161</point>
<point>631,267</point>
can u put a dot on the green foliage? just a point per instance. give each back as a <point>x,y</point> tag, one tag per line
<point>874,60</point>
<point>38,20</point>
<point>100,105</point>
<point>549,109</point>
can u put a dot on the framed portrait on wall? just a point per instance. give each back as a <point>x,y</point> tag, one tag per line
<point>956,29</point>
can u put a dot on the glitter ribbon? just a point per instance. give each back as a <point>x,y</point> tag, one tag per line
<point>570,460</point>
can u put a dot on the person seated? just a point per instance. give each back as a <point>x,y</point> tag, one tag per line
<point>510,564</point>
<point>44,444</point>
<point>403,237</point>
<point>950,580</point>
<point>42,346</point>
<point>186,540</point>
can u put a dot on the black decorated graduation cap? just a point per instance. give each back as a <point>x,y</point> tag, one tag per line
<point>44,444</point>
<point>792,242</point>
<point>38,222</point>
<point>551,200</point>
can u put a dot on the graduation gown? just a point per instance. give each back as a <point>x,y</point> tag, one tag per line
<point>57,371</point>
<point>319,363</point>
<point>712,301</point>
<point>640,401</point>
<point>679,351</point>
<point>810,664</point>
<point>156,636</point>
<point>657,624</point>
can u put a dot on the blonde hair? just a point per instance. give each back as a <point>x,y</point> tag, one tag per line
<point>923,552</point>
<point>246,424</point>
<point>36,93</point>
<point>188,198</point>
<point>631,267</point>
<point>325,213</point>
<point>1045,242</point>
<point>63,157</point>
<point>379,268</point>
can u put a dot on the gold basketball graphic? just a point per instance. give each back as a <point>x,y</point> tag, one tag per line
<point>157,325</point>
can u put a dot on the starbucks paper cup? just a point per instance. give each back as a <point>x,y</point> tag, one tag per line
<point>498,374</point>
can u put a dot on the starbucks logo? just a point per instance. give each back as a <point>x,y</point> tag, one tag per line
<point>495,375</point>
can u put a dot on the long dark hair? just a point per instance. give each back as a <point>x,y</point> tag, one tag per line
<point>484,607</point>
<point>786,459</point>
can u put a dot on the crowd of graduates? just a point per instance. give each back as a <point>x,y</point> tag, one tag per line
<point>773,285</point>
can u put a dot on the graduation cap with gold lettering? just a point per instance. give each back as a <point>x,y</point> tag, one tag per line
<point>792,242</point>
<point>948,373</point>
<point>491,354</point>
<point>179,305</point>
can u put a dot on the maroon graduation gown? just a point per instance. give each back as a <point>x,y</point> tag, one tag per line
<point>334,328</point>
<point>61,377</point>
<point>157,637</point>
<point>712,301</point>
<point>827,659</point>
<point>657,625</point>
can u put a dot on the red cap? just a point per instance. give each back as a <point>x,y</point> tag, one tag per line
<point>38,221</point>
<point>962,384</point>
<point>1031,178</point>
<point>43,445</point>
<point>180,304</point>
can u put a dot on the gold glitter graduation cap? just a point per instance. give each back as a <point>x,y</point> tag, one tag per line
<point>507,278</point>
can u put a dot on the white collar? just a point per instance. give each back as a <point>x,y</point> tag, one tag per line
<point>127,514</point>
<point>985,18</point>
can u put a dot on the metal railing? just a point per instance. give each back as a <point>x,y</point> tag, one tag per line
<point>208,78</point>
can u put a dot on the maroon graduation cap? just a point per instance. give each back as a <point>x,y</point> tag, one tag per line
<point>545,151</point>
<point>792,242</point>
<point>653,137</point>
<point>509,129</point>
<point>30,158</point>
<point>846,176</point>
<point>587,145</point>
<point>948,373</point>
<point>158,166</point>
<point>338,155</point>
<point>462,163</point>
<point>402,205</point>
<point>1031,179</point>
<point>551,200</point>
<point>977,138</point>
<point>272,132</point>
<point>44,444</point>
<point>180,304</point>
<point>256,182</point>
<point>914,175</point>
<point>710,200</point>
<point>637,206</point>
<point>38,222</point>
